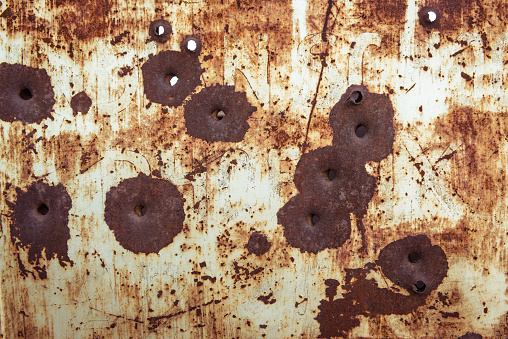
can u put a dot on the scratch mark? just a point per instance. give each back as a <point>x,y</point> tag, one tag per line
<point>446,157</point>
<point>90,166</point>
<point>411,87</point>
<point>117,316</point>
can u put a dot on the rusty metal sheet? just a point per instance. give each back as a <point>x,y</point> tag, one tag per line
<point>189,168</point>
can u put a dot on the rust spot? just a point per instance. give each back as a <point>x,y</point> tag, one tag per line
<point>80,103</point>
<point>160,31</point>
<point>126,70</point>
<point>267,299</point>
<point>362,123</point>
<point>170,76</point>
<point>362,296</point>
<point>26,94</point>
<point>119,38</point>
<point>258,244</point>
<point>218,113</point>
<point>40,218</point>
<point>144,213</point>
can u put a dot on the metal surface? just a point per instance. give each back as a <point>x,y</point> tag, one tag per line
<point>253,169</point>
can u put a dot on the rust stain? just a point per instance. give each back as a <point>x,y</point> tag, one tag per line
<point>26,94</point>
<point>144,213</point>
<point>218,113</point>
<point>258,244</point>
<point>80,103</point>
<point>40,217</point>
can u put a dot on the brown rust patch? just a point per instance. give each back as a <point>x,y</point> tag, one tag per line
<point>363,296</point>
<point>453,15</point>
<point>362,123</point>
<point>470,335</point>
<point>474,170</point>
<point>80,103</point>
<point>85,19</point>
<point>40,218</point>
<point>159,71</point>
<point>144,213</point>
<point>218,113</point>
<point>258,244</point>
<point>26,94</point>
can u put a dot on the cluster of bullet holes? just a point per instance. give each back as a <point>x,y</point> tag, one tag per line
<point>412,263</point>
<point>319,216</point>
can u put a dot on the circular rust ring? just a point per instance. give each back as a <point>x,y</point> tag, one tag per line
<point>411,260</point>
<point>26,94</point>
<point>158,71</point>
<point>144,213</point>
<point>201,114</point>
<point>375,113</point>
<point>154,26</point>
<point>40,217</point>
<point>185,48</point>
<point>328,173</point>
<point>303,230</point>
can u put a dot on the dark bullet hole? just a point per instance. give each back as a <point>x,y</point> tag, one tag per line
<point>218,114</point>
<point>159,30</point>
<point>25,94</point>
<point>413,257</point>
<point>430,16</point>
<point>356,97</point>
<point>313,219</point>
<point>330,174</point>
<point>140,210</point>
<point>171,79</point>
<point>420,286</point>
<point>43,209</point>
<point>360,131</point>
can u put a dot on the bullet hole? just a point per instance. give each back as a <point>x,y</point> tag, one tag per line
<point>413,257</point>
<point>43,209</point>
<point>160,31</point>
<point>171,79</point>
<point>26,94</point>
<point>330,174</point>
<point>140,210</point>
<point>313,219</point>
<point>420,287</point>
<point>356,97</point>
<point>360,131</point>
<point>191,45</point>
<point>218,115</point>
<point>218,103</point>
<point>170,76</point>
<point>431,16</point>
<point>38,229</point>
<point>156,219</point>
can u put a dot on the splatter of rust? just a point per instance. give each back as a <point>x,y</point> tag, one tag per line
<point>204,120</point>
<point>158,71</point>
<point>84,19</point>
<point>40,217</point>
<point>375,113</point>
<point>80,103</point>
<point>258,244</point>
<point>26,94</point>
<point>144,213</point>
<point>363,297</point>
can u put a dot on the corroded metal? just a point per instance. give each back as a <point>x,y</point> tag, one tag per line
<point>253,169</point>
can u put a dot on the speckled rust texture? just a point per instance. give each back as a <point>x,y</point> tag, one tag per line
<point>375,112</point>
<point>15,78</point>
<point>80,103</point>
<point>159,222</point>
<point>201,122</point>
<point>160,68</point>
<point>362,296</point>
<point>45,232</point>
